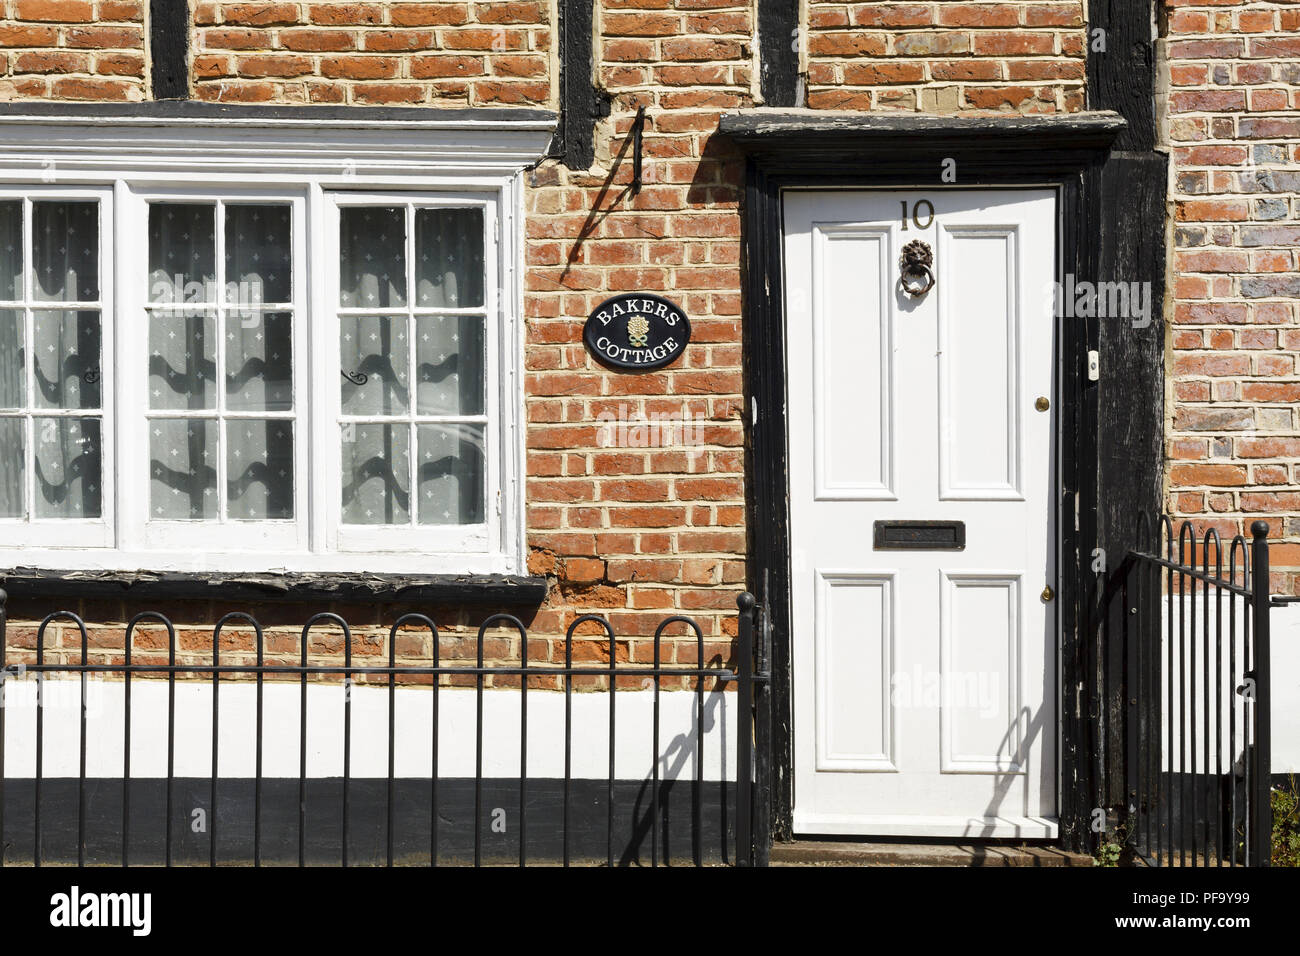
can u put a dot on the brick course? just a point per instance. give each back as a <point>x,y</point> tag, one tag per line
<point>946,57</point>
<point>493,53</point>
<point>72,50</point>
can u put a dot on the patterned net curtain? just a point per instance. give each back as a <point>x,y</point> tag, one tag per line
<point>413,366</point>
<point>42,395</point>
<point>246,299</point>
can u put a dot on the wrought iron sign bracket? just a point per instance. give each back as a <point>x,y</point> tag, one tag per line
<point>638,128</point>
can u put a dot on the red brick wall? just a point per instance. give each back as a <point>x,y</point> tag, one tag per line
<point>1234,88</point>
<point>946,57</point>
<point>643,532</point>
<point>493,53</point>
<point>72,49</point>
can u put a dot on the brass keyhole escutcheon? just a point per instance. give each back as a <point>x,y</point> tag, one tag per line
<point>1042,404</point>
<point>1048,593</point>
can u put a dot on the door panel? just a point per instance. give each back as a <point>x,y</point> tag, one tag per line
<point>979,378</point>
<point>849,401</point>
<point>855,713</point>
<point>924,680</point>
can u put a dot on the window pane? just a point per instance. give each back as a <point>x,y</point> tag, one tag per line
<point>67,467</point>
<point>13,465</point>
<point>259,469</point>
<point>12,391</point>
<point>182,263</point>
<point>372,250</point>
<point>449,258</point>
<point>11,250</point>
<point>374,353</point>
<point>376,473</point>
<point>449,365</point>
<point>182,361</point>
<point>450,474</point>
<point>259,361</point>
<point>258,255</point>
<point>65,251</point>
<point>183,468</point>
<point>65,349</point>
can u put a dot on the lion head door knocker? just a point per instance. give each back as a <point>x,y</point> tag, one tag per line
<point>915,265</point>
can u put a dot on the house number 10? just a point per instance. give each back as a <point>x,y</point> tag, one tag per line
<point>916,214</point>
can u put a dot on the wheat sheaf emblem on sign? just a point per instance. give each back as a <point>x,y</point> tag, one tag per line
<point>638,330</point>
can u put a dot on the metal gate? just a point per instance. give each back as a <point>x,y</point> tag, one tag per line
<point>1185,631</point>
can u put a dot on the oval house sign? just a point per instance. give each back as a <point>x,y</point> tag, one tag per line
<point>637,331</point>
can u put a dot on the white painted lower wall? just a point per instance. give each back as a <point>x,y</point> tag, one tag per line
<point>634,743</point>
<point>1285,672</point>
<point>1286,689</point>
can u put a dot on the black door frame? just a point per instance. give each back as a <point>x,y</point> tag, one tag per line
<point>806,149</point>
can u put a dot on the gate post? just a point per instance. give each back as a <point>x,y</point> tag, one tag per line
<point>1261,824</point>
<point>1129,684</point>
<point>762,829</point>
<point>745,731</point>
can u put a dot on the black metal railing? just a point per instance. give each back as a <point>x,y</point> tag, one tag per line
<point>440,816</point>
<point>1190,645</point>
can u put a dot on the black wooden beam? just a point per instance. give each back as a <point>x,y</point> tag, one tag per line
<point>581,103</point>
<point>1121,67</point>
<point>169,48</point>
<point>1132,188</point>
<point>787,132</point>
<point>778,52</point>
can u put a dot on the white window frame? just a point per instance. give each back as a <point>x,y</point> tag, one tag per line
<point>313,164</point>
<point>434,539</point>
<point>69,532</point>
<point>141,532</point>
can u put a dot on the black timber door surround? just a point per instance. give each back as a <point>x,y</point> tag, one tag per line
<point>802,148</point>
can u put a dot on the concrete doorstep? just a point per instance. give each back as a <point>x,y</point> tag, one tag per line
<point>854,853</point>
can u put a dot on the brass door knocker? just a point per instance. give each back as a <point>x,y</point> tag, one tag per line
<point>917,277</point>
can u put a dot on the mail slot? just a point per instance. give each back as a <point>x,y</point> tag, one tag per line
<point>920,535</point>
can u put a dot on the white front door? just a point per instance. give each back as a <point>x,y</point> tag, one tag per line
<point>924,669</point>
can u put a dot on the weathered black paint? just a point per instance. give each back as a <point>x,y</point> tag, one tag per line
<point>364,587</point>
<point>1131,248</point>
<point>581,103</point>
<point>812,140</point>
<point>169,49</point>
<point>608,328</point>
<point>368,821</point>
<point>1121,67</point>
<point>794,149</point>
<point>778,52</point>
